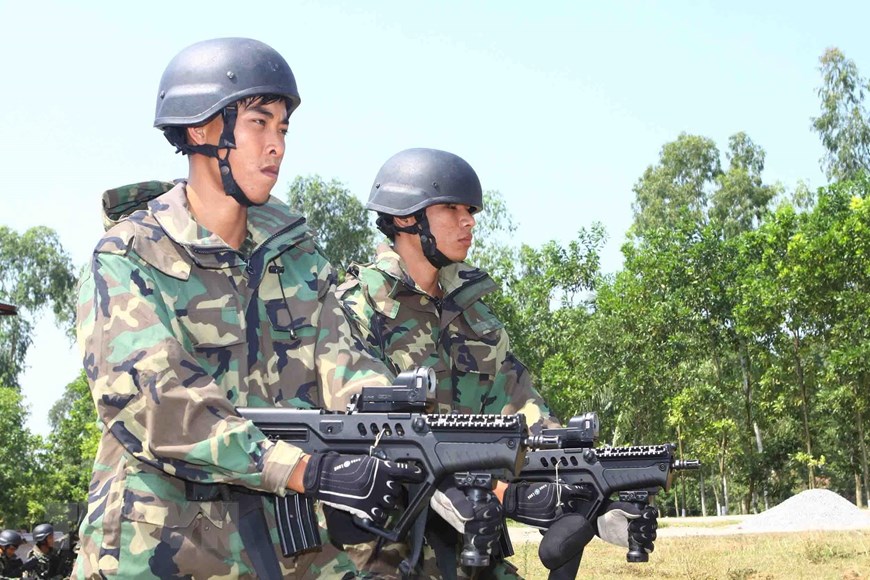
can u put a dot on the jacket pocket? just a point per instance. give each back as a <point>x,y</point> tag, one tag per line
<point>158,500</point>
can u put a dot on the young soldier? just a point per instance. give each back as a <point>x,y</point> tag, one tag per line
<point>215,297</point>
<point>43,558</point>
<point>11,565</point>
<point>419,304</point>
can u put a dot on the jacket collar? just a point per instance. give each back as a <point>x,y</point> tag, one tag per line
<point>272,226</point>
<point>462,284</point>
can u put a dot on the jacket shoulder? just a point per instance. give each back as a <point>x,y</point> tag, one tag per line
<point>140,235</point>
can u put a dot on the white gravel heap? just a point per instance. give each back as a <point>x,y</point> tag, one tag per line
<point>814,509</point>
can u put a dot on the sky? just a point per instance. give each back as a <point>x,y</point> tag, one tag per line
<point>559,105</point>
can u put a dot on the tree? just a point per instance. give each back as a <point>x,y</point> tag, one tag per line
<point>680,183</point>
<point>741,200</point>
<point>544,310</point>
<point>35,272</point>
<point>71,447</point>
<point>17,459</point>
<point>493,249</point>
<point>843,125</point>
<point>339,219</point>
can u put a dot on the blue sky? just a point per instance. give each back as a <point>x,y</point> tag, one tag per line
<point>558,105</point>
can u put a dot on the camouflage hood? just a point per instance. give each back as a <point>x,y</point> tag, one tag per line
<point>120,202</point>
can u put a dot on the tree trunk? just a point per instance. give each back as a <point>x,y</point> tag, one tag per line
<point>746,379</point>
<point>859,495</point>
<point>805,407</point>
<point>724,503</point>
<point>862,444</point>
<point>703,495</point>
<point>717,498</point>
<point>682,478</point>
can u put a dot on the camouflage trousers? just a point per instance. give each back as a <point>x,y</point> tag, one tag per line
<point>385,564</point>
<point>202,549</point>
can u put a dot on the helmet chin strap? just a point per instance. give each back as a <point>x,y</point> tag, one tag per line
<point>427,240</point>
<point>227,142</point>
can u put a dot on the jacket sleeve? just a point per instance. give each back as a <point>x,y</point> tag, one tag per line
<point>154,397</point>
<point>345,360</point>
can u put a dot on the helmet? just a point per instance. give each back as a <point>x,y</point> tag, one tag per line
<point>208,78</point>
<point>10,538</point>
<point>205,77</point>
<point>414,179</point>
<point>42,531</point>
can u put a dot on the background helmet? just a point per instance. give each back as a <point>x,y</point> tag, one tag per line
<point>42,531</point>
<point>10,538</point>
<point>414,179</point>
<point>207,76</point>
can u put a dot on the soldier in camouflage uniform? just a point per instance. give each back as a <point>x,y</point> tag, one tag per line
<point>11,565</point>
<point>216,296</point>
<point>419,304</point>
<point>43,557</point>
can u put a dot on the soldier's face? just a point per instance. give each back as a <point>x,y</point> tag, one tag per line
<point>451,224</point>
<point>9,551</point>
<point>260,132</point>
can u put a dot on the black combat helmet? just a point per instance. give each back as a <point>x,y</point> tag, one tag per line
<point>42,531</point>
<point>412,180</point>
<point>208,78</point>
<point>10,538</point>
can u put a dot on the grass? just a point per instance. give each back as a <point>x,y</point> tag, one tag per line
<point>842,555</point>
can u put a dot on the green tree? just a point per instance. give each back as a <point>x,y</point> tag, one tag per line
<point>689,218</point>
<point>843,124</point>
<point>741,200</point>
<point>545,309</point>
<point>682,182</point>
<point>340,219</point>
<point>70,448</point>
<point>493,248</point>
<point>18,465</point>
<point>35,273</point>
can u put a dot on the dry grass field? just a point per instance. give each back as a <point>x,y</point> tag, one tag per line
<point>841,555</point>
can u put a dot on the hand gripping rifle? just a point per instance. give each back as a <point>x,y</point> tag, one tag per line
<point>391,423</point>
<point>636,473</point>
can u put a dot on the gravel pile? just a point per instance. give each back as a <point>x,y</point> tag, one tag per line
<point>814,509</point>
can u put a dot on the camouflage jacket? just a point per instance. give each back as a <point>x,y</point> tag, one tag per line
<point>44,566</point>
<point>177,329</point>
<point>10,567</point>
<point>458,336</point>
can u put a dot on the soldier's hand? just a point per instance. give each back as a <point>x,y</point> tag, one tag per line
<point>619,520</point>
<point>542,503</point>
<point>480,522</point>
<point>365,486</point>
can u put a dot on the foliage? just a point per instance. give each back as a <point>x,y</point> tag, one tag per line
<point>35,272</point>
<point>70,448</point>
<point>340,219</point>
<point>844,124</point>
<point>18,465</point>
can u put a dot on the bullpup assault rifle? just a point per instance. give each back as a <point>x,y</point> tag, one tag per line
<point>391,423</point>
<point>635,473</point>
